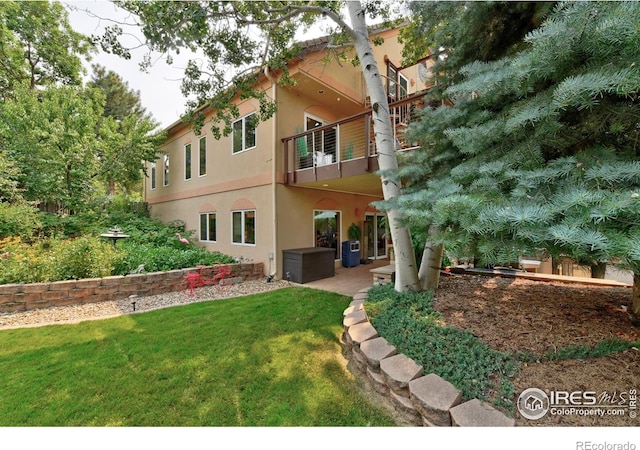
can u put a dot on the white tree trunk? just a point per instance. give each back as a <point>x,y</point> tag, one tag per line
<point>406,268</point>
<point>429,273</point>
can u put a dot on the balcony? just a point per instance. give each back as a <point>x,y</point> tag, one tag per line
<point>345,148</point>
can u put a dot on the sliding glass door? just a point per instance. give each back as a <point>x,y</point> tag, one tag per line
<point>376,235</point>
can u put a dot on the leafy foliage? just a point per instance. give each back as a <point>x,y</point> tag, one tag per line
<point>71,247</point>
<point>19,220</point>
<point>39,47</point>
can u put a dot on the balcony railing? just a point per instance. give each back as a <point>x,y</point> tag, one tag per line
<point>349,139</point>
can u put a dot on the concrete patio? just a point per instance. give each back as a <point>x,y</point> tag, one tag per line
<point>348,280</point>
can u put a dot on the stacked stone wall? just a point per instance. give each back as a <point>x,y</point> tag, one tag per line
<point>422,399</point>
<point>24,297</point>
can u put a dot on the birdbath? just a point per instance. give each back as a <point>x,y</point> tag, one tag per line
<point>114,234</point>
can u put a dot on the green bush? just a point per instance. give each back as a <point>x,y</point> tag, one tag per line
<point>409,322</point>
<point>84,257</point>
<point>151,244</point>
<point>132,255</point>
<point>19,220</point>
<point>55,260</point>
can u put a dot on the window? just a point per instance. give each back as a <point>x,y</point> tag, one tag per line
<point>208,227</point>
<point>244,133</point>
<point>202,156</point>
<point>326,226</point>
<point>165,170</point>
<point>153,175</point>
<point>187,162</point>
<point>243,227</point>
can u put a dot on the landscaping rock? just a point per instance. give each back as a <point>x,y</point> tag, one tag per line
<point>475,413</point>
<point>433,397</point>
<point>375,350</point>
<point>378,382</point>
<point>360,296</point>
<point>398,371</point>
<point>404,406</point>
<point>352,309</point>
<point>359,333</point>
<point>354,318</point>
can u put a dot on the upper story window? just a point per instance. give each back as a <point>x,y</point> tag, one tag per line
<point>187,161</point>
<point>165,170</point>
<point>244,133</point>
<point>202,156</point>
<point>153,175</point>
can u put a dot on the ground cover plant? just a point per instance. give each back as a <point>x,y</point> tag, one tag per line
<point>566,336</point>
<point>272,359</point>
<point>408,321</point>
<point>494,337</point>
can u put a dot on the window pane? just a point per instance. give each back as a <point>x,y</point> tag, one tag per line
<point>153,176</point>
<point>326,225</point>
<point>203,156</point>
<point>237,136</point>
<point>249,227</point>
<point>203,227</point>
<point>212,227</point>
<point>250,131</point>
<point>237,227</point>
<point>165,170</point>
<point>187,162</point>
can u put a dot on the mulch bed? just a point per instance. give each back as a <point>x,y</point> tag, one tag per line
<point>516,314</point>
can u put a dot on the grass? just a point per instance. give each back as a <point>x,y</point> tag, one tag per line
<point>272,359</point>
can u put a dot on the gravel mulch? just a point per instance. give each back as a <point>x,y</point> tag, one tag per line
<point>102,310</point>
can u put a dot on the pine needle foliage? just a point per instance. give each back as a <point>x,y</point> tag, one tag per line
<point>537,152</point>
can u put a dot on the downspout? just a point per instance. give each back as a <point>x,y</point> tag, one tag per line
<point>273,262</point>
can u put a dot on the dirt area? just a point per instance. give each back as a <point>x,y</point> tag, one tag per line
<point>512,315</point>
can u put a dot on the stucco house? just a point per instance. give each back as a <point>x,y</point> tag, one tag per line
<point>297,180</point>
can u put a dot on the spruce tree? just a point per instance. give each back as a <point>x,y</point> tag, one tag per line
<point>538,152</point>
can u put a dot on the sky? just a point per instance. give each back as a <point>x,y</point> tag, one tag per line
<point>159,89</point>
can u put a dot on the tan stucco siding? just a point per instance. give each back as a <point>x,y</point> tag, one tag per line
<point>257,198</point>
<point>296,208</point>
<point>225,170</point>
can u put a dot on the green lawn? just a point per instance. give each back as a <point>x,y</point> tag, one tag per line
<point>271,359</point>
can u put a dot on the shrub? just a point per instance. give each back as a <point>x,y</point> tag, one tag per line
<point>20,220</point>
<point>55,260</point>
<point>84,257</point>
<point>152,244</point>
<point>155,258</point>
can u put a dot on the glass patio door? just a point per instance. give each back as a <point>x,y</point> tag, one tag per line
<point>376,236</point>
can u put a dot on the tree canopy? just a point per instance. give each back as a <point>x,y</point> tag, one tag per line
<point>58,138</point>
<point>38,46</point>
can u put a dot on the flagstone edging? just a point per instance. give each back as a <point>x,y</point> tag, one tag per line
<point>422,399</point>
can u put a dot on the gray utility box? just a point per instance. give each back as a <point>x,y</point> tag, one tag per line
<point>302,265</point>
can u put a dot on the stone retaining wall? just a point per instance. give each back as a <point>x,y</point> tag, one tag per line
<point>24,297</point>
<point>422,399</point>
